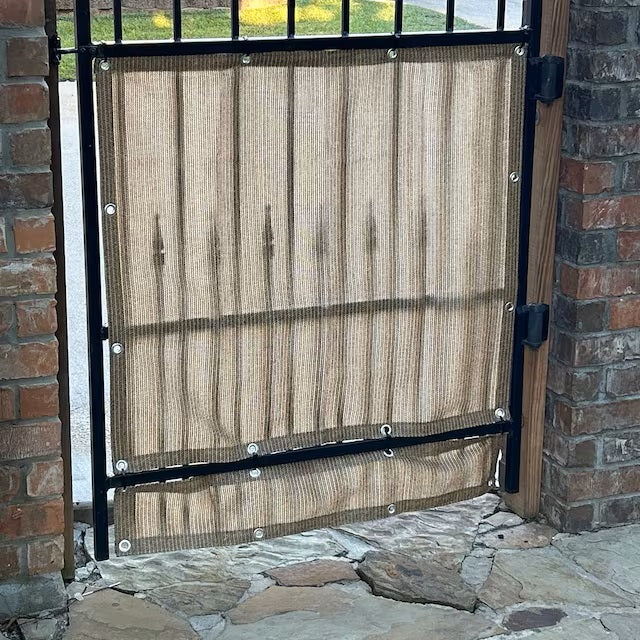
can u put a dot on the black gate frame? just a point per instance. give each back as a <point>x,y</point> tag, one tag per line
<point>543,82</point>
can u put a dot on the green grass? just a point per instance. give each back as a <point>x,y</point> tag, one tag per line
<point>313,17</point>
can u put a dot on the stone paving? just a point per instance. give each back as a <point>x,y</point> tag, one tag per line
<point>461,572</point>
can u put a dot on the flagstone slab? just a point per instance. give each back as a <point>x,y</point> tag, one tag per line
<point>625,624</point>
<point>359,616</point>
<point>611,554</point>
<point>589,629</point>
<point>313,574</point>
<point>111,615</point>
<point>533,618</point>
<point>399,577</point>
<point>530,535</point>
<point>447,531</point>
<point>200,599</point>
<point>543,575</point>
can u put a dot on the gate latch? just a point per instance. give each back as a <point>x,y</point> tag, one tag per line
<point>547,78</point>
<point>535,318</point>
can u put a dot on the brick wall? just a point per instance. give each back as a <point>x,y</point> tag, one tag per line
<point>31,479</point>
<point>592,449</point>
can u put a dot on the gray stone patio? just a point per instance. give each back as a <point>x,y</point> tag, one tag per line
<point>462,572</point>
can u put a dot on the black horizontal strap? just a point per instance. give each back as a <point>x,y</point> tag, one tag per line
<point>333,450</point>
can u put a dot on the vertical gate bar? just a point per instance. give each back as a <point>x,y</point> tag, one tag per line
<point>177,20</point>
<point>451,10</point>
<point>502,9</point>
<point>117,20</point>
<point>397,20</point>
<point>345,17</point>
<point>512,453</point>
<point>93,283</point>
<point>291,18</point>
<point>235,19</point>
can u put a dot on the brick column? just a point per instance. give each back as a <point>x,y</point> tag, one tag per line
<point>592,450</point>
<point>31,479</point>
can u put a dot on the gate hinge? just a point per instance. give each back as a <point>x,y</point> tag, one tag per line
<point>536,329</point>
<point>104,332</point>
<point>55,44</point>
<point>547,78</point>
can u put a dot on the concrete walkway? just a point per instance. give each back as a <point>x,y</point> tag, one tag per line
<point>461,572</point>
<point>480,12</point>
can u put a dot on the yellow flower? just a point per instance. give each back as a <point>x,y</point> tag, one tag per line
<point>161,21</point>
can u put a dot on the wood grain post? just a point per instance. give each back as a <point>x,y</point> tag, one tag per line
<point>546,170</point>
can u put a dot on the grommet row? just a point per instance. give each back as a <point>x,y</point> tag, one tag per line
<point>392,54</point>
<point>509,307</point>
<point>520,50</point>
<point>255,473</point>
<point>110,209</point>
<point>246,59</point>
<point>391,509</point>
<point>253,449</point>
<point>514,176</point>
<point>105,65</point>
<point>121,466</point>
<point>500,413</point>
<point>258,533</point>
<point>385,429</point>
<point>124,546</point>
<point>117,348</point>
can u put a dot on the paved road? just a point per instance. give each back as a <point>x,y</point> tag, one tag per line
<point>479,12</point>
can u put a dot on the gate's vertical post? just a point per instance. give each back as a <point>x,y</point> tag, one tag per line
<point>546,164</point>
<point>88,166</point>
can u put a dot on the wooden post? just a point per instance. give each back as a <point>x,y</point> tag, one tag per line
<point>546,171</point>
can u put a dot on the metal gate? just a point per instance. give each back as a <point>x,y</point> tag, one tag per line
<point>315,251</point>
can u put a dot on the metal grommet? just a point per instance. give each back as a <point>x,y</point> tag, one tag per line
<point>519,50</point>
<point>110,209</point>
<point>509,307</point>
<point>514,176</point>
<point>385,429</point>
<point>117,348</point>
<point>500,413</point>
<point>105,65</point>
<point>253,448</point>
<point>124,546</point>
<point>391,509</point>
<point>392,54</point>
<point>122,466</point>
<point>388,452</point>
<point>246,59</point>
<point>255,473</point>
<point>258,534</point>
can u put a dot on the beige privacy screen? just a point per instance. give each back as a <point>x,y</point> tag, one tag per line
<point>302,248</point>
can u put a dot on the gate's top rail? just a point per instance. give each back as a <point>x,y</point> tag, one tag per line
<point>241,44</point>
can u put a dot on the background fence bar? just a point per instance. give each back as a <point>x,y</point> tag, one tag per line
<point>397,28</point>
<point>512,453</point>
<point>93,281</point>
<point>177,19</point>
<point>451,10</point>
<point>117,20</point>
<point>502,9</point>
<point>291,18</point>
<point>345,17</point>
<point>235,19</point>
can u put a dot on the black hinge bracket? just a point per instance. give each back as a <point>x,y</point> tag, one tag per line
<point>535,324</point>
<point>546,78</point>
<point>104,332</point>
<point>55,44</point>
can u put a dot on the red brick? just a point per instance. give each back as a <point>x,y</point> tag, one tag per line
<point>568,452</point>
<point>595,418</point>
<point>45,479</point>
<point>24,102</point>
<point>621,510</point>
<point>623,381</point>
<point>27,57</point>
<point>36,317</point>
<point>45,556</point>
<point>9,561</point>
<point>585,485</point>
<point>29,13</point>
<point>7,404</point>
<point>18,442</point>
<point>9,483</point>
<point>629,245</point>
<point>586,177</point>
<point>625,313</point>
<point>565,517</point>
<point>3,235</point>
<point>26,190</point>
<point>6,316</point>
<point>25,276</point>
<point>591,351</point>
<point>35,233</point>
<point>33,519</point>
<point>31,147</point>
<point>30,360</point>
<point>39,401</point>
<point>575,384</point>
<point>584,283</point>
<point>603,213</point>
